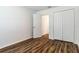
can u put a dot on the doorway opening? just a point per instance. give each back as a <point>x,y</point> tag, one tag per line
<point>45,26</point>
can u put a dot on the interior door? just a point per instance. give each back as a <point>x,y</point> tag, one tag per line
<point>36,25</point>
<point>68,25</point>
<point>57,26</point>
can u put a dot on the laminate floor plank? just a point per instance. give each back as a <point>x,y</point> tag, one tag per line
<point>42,45</point>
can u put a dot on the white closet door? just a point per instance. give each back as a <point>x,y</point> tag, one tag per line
<point>68,25</point>
<point>58,26</point>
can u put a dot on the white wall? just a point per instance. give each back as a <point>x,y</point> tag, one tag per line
<point>15,25</point>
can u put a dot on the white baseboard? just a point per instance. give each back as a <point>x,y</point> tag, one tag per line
<point>37,36</point>
<point>16,42</point>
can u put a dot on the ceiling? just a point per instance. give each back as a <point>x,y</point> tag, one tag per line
<point>38,8</point>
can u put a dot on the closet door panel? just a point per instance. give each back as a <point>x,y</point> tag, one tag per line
<point>68,25</point>
<point>57,26</point>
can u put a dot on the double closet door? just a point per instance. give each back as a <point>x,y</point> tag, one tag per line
<point>64,25</point>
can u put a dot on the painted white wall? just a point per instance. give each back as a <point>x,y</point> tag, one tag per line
<point>15,25</point>
<point>45,24</point>
<point>51,11</point>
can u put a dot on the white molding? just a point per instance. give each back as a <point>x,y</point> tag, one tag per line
<point>16,42</point>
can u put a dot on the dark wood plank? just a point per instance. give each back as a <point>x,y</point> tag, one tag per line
<point>42,45</point>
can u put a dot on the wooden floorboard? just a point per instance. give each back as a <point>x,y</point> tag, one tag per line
<point>42,45</point>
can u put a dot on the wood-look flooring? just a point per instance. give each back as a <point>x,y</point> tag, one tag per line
<point>41,45</point>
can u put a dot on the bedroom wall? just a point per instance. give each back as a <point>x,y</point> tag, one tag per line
<point>15,25</point>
